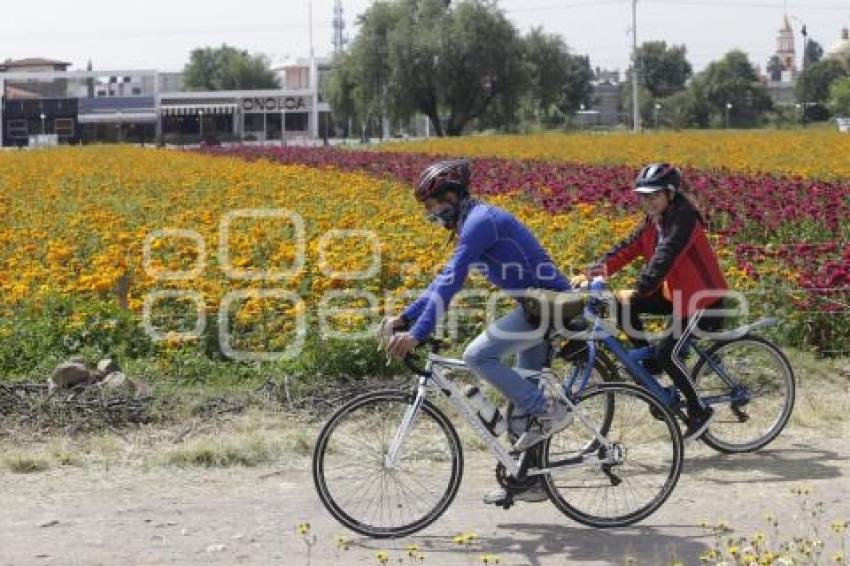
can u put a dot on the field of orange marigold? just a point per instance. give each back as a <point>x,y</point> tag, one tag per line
<point>75,222</point>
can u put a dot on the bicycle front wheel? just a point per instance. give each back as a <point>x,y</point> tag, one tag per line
<point>643,451</point>
<point>750,385</point>
<point>375,497</point>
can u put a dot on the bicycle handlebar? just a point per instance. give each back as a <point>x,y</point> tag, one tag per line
<point>409,359</point>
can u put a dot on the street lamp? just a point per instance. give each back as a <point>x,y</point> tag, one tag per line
<point>657,108</point>
<point>728,109</point>
<point>201,124</point>
<point>42,123</point>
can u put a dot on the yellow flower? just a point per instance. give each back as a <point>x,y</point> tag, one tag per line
<point>382,556</point>
<point>303,528</point>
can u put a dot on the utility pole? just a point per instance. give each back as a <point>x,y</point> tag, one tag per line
<point>635,94</point>
<point>803,77</point>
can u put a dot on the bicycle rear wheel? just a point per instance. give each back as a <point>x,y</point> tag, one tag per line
<point>646,457</point>
<point>355,482</point>
<point>750,385</point>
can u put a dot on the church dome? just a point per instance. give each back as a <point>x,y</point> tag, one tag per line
<point>841,48</point>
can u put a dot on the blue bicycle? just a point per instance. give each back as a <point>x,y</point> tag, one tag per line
<point>744,377</point>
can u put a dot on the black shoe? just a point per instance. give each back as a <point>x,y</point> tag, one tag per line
<point>698,424</point>
<point>652,367</point>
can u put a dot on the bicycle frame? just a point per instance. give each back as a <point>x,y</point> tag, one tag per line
<point>437,380</point>
<point>631,358</point>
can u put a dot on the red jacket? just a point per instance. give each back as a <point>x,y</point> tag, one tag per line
<point>680,266</point>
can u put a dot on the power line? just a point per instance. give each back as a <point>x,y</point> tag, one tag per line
<point>566,5</point>
<point>748,4</point>
<point>578,4</point>
<point>100,33</point>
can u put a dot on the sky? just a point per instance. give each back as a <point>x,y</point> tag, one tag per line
<point>159,34</point>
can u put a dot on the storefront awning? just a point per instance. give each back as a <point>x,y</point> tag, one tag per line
<point>190,109</point>
<point>117,118</point>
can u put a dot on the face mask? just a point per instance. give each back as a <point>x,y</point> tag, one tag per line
<point>447,217</point>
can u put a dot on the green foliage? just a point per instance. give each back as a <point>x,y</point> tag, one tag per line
<point>839,97</point>
<point>774,68</point>
<point>812,53</point>
<point>733,80</point>
<point>814,83</point>
<point>663,70</point>
<point>227,68</point>
<point>458,62</point>
<point>557,82</point>
<point>38,334</point>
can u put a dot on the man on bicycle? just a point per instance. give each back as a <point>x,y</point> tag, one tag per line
<point>682,277</point>
<point>514,261</point>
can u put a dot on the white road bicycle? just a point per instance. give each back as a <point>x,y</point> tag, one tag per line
<point>389,463</point>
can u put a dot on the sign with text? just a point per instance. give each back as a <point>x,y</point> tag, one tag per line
<point>276,104</point>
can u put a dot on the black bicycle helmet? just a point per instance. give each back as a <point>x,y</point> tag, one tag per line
<point>441,176</point>
<point>658,177</point>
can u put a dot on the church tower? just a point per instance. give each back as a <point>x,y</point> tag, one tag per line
<point>785,49</point>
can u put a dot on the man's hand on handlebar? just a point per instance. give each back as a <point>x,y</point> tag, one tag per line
<point>393,339</point>
<point>387,328</point>
<point>401,345</point>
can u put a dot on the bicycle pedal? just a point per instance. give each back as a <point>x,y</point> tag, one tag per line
<point>741,415</point>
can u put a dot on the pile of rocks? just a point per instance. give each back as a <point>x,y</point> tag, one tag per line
<point>108,375</point>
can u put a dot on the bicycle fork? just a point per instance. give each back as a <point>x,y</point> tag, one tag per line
<point>407,422</point>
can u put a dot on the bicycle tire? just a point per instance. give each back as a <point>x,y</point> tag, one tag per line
<point>331,440</point>
<point>718,434</point>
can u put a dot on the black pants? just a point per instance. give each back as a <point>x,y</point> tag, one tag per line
<point>665,358</point>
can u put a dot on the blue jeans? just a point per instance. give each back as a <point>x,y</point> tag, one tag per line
<point>511,334</point>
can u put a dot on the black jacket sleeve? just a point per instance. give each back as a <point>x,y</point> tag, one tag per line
<point>678,231</point>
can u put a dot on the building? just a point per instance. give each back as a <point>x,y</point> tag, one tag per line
<point>607,90</point>
<point>35,64</point>
<point>76,106</point>
<point>841,48</point>
<point>787,52</point>
<point>41,99</point>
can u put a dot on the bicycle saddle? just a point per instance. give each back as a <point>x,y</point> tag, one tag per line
<point>557,308</point>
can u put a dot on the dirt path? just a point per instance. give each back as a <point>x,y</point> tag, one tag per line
<point>167,515</point>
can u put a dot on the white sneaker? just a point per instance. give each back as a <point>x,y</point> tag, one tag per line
<point>534,494</point>
<point>556,418</point>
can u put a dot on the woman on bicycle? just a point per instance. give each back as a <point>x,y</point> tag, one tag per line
<point>514,261</point>
<point>681,277</point>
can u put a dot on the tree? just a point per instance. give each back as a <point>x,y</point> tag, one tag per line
<point>647,104</point>
<point>812,53</point>
<point>546,61</point>
<point>687,108</point>
<point>340,90</point>
<point>733,80</point>
<point>459,60</point>
<point>839,97</point>
<point>227,68</point>
<point>480,63</point>
<point>578,89</point>
<point>557,81</point>
<point>774,68</point>
<point>663,70</point>
<point>813,84</point>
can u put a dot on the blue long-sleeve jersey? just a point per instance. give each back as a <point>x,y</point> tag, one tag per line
<point>497,244</point>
